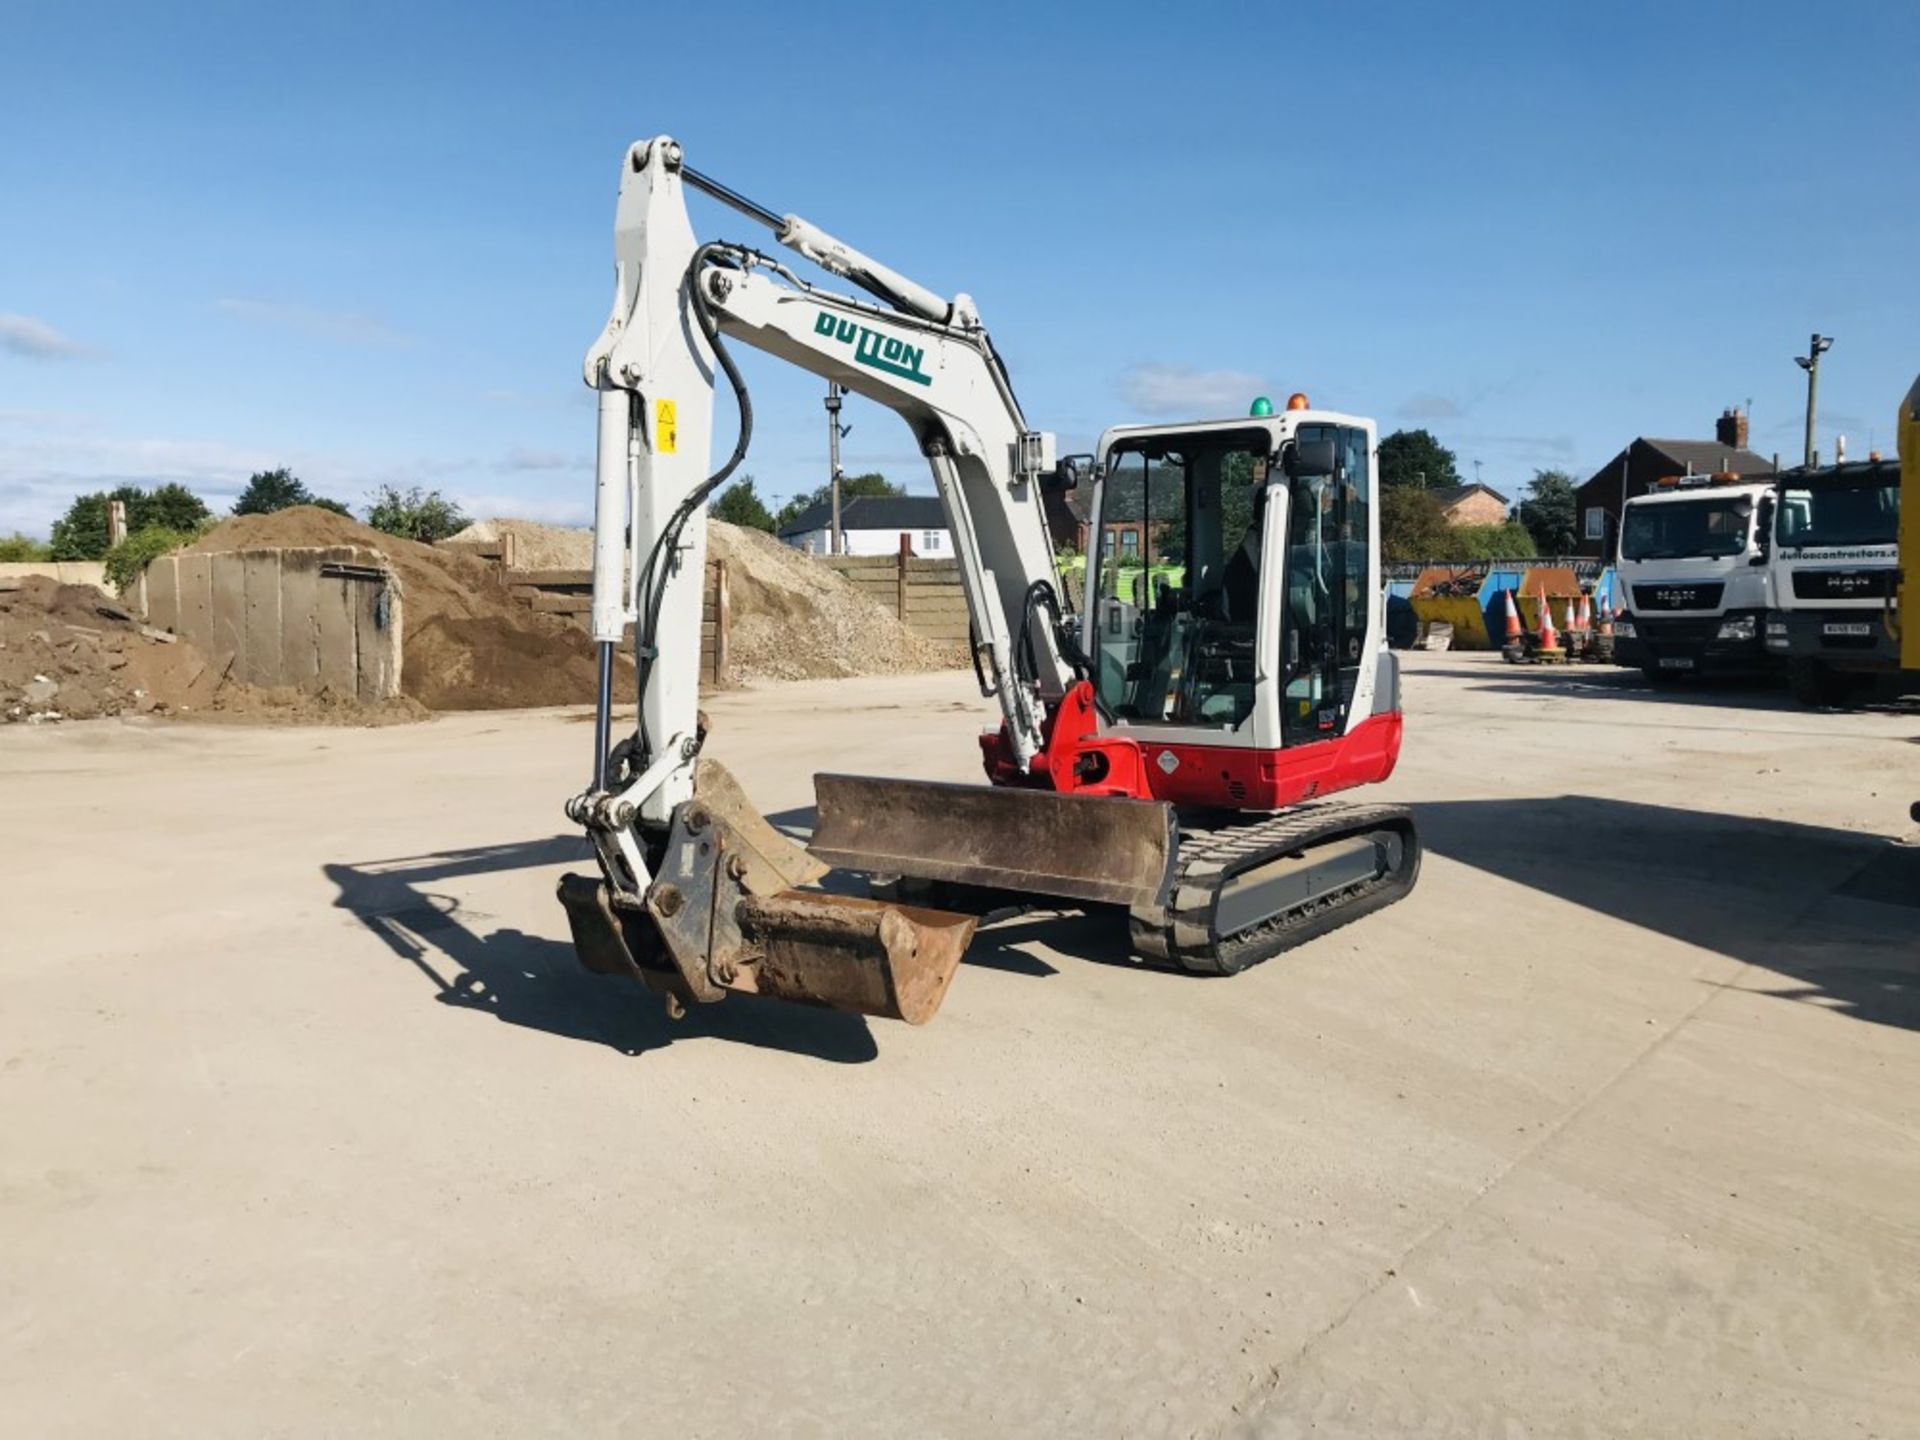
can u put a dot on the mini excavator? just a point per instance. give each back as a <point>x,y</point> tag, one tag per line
<point>1169,739</point>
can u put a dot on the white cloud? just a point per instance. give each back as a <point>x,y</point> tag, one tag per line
<point>44,472</point>
<point>1184,391</point>
<point>346,326</point>
<point>547,510</point>
<point>520,459</point>
<point>36,340</point>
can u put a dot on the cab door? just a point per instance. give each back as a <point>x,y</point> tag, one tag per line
<point>1329,584</point>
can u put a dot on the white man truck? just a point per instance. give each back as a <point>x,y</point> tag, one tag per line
<point>1835,575</point>
<point>1694,578</point>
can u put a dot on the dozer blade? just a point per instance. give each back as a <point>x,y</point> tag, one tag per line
<point>890,961</point>
<point>1074,847</point>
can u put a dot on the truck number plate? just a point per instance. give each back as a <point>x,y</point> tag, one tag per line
<point>1676,662</point>
<point>1846,627</point>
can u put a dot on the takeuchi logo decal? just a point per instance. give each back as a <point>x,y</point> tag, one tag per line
<point>886,353</point>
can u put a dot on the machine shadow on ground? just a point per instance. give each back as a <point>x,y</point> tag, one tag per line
<point>1835,911</point>
<point>1604,682</point>
<point>1611,682</point>
<point>536,982</point>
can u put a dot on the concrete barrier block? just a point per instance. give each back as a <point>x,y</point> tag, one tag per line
<point>300,619</point>
<point>336,637</point>
<point>229,639</point>
<point>66,572</point>
<point>194,576</point>
<point>163,593</point>
<point>377,615</point>
<point>260,659</point>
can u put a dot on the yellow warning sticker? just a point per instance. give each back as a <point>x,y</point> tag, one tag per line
<point>666,427</point>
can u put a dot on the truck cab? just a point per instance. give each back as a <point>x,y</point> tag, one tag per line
<point>1694,578</point>
<point>1835,573</point>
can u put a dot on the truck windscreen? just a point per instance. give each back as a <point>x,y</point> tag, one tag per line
<point>1668,530</point>
<point>1862,514</point>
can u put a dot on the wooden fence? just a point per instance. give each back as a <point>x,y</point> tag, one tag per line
<point>925,594</point>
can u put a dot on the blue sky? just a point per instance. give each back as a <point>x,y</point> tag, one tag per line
<point>373,241</point>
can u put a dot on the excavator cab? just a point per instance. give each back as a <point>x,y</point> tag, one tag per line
<point>1232,596</point>
<point>1176,577</point>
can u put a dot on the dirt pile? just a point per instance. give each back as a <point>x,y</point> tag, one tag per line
<point>793,617</point>
<point>67,652</point>
<point>468,644</point>
<point>535,546</point>
<point>797,619</point>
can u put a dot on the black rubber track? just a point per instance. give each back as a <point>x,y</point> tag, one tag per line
<point>1181,934</point>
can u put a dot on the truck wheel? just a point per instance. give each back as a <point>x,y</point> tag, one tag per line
<point>1821,686</point>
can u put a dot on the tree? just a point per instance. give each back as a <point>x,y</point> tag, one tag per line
<point>1550,512</point>
<point>740,505</point>
<point>852,487</point>
<point>1412,525</point>
<point>170,507</point>
<point>16,548</point>
<point>81,534</point>
<point>1488,542</point>
<point>1415,458</point>
<point>415,514</point>
<point>271,490</point>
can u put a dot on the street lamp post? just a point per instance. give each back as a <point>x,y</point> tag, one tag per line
<point>1810,362</point>
<point>837,543</point>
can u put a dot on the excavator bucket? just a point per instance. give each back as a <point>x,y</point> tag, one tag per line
<point>723,914</point>
<point>1104,849</point>
<point>847,953</point>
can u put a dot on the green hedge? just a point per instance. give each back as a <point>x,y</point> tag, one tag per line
<point>128,561</point>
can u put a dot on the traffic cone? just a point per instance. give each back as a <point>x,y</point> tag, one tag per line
<point>1603,634</point>
<point>1514,647</point>
<point>1580,624</point>
<point>1549,649</point>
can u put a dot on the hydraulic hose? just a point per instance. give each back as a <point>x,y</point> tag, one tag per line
<point>655,573</point>
<point>1040,596</point>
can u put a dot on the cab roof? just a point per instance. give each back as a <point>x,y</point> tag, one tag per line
<point>1682,494</point>
<point>1278,426</point>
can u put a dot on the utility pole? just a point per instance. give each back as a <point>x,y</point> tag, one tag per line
<point>1810,362</point>
<point>837,545</point>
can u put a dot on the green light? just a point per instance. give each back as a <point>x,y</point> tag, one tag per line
<point>1262,408</point>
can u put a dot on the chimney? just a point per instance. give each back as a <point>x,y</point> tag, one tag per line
<point>1731,429</point>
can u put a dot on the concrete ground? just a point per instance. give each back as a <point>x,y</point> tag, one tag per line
<point>312,1127</point>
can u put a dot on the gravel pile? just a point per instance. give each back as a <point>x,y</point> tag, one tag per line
<point>797,619</point>
<point>793,617</point>
<point>535,546</point>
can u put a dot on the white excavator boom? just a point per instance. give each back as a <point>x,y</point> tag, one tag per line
<point>698,894</point>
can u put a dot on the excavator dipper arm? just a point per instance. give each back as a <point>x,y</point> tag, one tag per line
<point>697,895</point>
